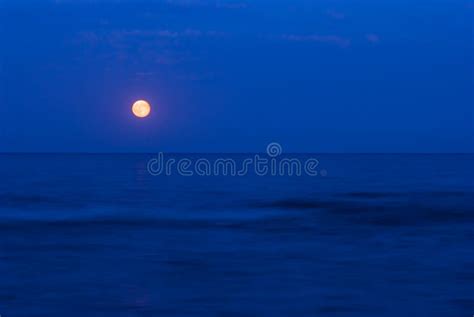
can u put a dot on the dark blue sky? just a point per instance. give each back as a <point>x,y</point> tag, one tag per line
<point>316,76</point>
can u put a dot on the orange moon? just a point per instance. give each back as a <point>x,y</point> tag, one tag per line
<point>141,109</point>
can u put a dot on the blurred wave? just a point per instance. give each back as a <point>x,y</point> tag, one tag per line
<point>96,235</point>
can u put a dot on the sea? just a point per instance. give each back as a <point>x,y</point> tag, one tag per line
<point>370,235</point>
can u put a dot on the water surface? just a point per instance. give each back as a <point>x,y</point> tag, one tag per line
<point>97,235</point>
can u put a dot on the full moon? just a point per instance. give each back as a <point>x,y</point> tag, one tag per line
<point>141,109</point>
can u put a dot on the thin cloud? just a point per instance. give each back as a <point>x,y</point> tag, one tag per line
<point>232,5</point>
<point>330,39</point>
<point>372,38</point>
<point>336,14</point>
<point>159,47</point>
<point>169,33</point>
<point>203,3</point>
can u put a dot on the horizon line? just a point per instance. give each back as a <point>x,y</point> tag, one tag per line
<point>234,153</point>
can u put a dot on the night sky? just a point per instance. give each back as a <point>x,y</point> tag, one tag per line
<point>232,76</point>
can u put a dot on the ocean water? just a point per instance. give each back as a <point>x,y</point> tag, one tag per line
<point>97,235</point>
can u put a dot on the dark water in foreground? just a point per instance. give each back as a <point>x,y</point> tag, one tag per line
<point>96,235</point>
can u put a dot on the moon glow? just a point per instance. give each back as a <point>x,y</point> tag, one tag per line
<point>141,109</point>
